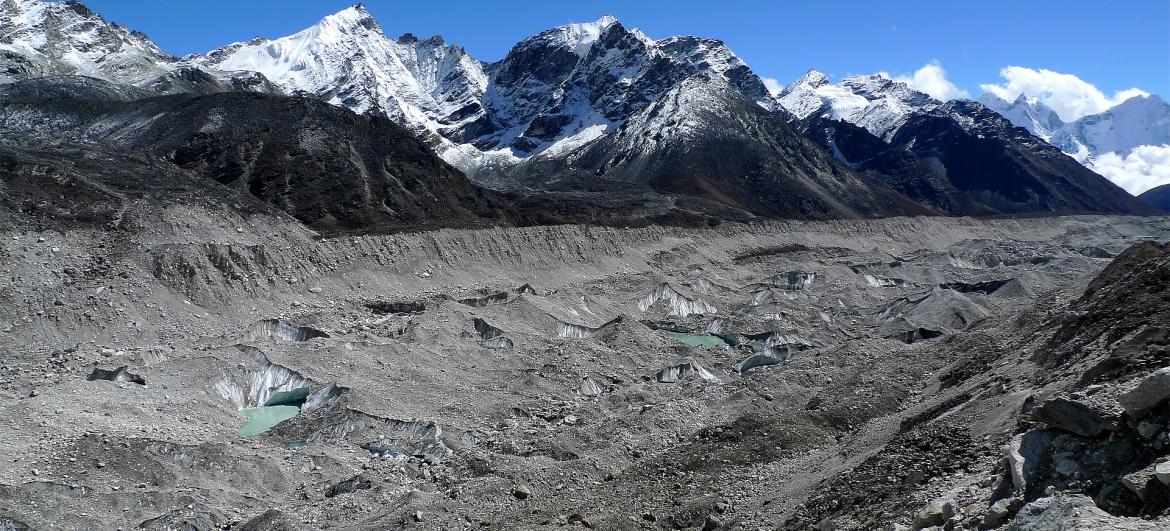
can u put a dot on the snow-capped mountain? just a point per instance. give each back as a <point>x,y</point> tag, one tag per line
<point>957,157</point>
<point>1027,112</point>
<point>54,38</point>
<point>874,102</point>
<point>346,60</point>
<point>1138,121</point>
<point>1104,141</point>
<point>39,39</point>
<point>684,145</point>
<point>594,108</point>
<point>566,85</point>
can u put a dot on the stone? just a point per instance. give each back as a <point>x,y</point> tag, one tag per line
<point>1080,418</point>
<point>589,387</point>
<point>1023,453</point>
<point>1139,482</point>
<point>521,492</point>
<point>936,513</point>
<point>998,511</point>
<point>1149,393</point>
<point>1162,472</point>
<point>1075,511</point>
<point>1148,429</point>
<point>712,522</point>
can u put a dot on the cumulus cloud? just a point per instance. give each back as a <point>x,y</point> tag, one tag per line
<point>773,85</point>
<point>1143,168</point>
<point>932,79</point>
<point>1068,95</point>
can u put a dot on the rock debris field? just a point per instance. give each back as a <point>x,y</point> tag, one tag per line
<point>212,371</point>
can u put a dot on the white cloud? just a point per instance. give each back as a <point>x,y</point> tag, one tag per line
<point>773,85</point>
<point>932,79</point>
<point>1143,168</point>
<point>1068,95</point>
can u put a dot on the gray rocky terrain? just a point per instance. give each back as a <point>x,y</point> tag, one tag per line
<point>853,374</point>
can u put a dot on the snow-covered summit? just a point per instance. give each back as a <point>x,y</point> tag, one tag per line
<point>1138,121</point>
<point>40,38</point>
<point>580,36</point>
<point>346,59</point>
<point>1101,141</point>
<point>875,102</point>
<point>556,89</point>
<point>1027,112</point>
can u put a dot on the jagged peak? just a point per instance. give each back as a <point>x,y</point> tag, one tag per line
<point>580,36</point>
<point>349,19</point>
<point>812,78</point>
<point>601,23</point>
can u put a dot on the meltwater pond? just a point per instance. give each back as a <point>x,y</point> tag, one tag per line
<point>696,340</point>
<point>264,417</point>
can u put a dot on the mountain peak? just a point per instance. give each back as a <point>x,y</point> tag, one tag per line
<point>813,78</point>
<point>580,36</point>
<point>350,18</point>
<point>1142,101</point>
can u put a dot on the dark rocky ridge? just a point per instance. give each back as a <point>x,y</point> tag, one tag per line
<point>964,159</point>
<point>328,167</point>
<point>1157,197</point>
<point>681,147</point>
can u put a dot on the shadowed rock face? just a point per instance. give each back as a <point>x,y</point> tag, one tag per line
<point>964,159</point>
<point>328,167</point>
<point>121,374</point>
<point>407,307</point>
<point>1157,197</point>
<point>274,329</point>
<point>682,147</point>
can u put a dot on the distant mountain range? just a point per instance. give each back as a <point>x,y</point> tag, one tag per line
<point>1133,123</point>
<point>598,122</point>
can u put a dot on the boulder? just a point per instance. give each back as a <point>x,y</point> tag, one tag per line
<point>1162,472</point>
<point>935,513</point>
<point>1139,482</point>
<point>1074,511</point>
<point>1152,391</point>
<point>999,511</point>
<point>1087,419</point>
<point>1022,454</point>
<point>589,387</point>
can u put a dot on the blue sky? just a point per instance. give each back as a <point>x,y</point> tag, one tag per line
<point>1113,45</point>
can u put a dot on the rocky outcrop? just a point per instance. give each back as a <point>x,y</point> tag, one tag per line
<point>1088,419</point>
<point>1149,393</point>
